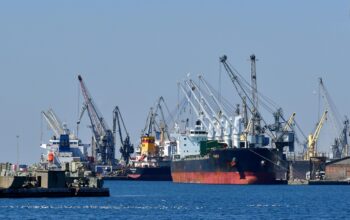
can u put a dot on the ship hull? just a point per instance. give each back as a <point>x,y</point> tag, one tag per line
<point>150,173</point>
<point>244,178</point>
<point>228,166</point>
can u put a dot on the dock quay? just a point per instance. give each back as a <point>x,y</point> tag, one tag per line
<point>328,182</point>
<point>49,183</point>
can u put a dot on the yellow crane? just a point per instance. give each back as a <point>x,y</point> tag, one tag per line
<point>290,122</point>
<point>312,139</point>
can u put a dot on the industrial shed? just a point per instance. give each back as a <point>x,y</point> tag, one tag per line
<point>338,169</point>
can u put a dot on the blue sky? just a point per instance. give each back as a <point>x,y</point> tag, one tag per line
<point>131,52</point>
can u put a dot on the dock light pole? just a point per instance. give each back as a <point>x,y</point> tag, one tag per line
<point>17,136</point>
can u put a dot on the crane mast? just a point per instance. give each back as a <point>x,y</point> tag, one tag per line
<point>254,81</point>
<point>255,114</point>
<point>104,151</point>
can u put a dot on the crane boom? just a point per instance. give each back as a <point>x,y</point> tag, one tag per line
<point>53,122</point>
<point>312,139</point>
<point>202,99</point>
<point>206,114</point>
<point>223,112</point>
<point>102,134</point>
<point>235,80</point>
<point>289,122</point>
<point>198,113</point>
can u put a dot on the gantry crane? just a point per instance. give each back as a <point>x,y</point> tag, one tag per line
<point>126,148</point>
<point>103,146</point>
<point>312,139</point>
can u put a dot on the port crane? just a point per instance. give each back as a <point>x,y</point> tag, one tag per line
<point>103,148</point>
<point>126,148</point>
<point>312,138</point>
<point>153,125</point>
<point>156,131</point>
<point>163,125</point>
<point>340,148</point>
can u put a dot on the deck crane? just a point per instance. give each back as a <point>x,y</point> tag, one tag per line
<point>340,148</point>
<point>54,123</point>
<point>222,113</point>
<point>284,134</point>
<point>155,132</point>
<point>199,113</point>
<point>104,151</point>
<point>312,138</point>
<point>256,132</point>
<point>151,123</point>
<point>211,115</point>
<point>202,112</point>
<point>126,148</point>
<point>163,125</point>
<point>149,126</point>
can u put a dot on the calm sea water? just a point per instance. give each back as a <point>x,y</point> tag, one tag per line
<point>166,200</point>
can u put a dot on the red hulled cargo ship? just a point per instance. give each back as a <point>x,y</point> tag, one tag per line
<point>227,166</point>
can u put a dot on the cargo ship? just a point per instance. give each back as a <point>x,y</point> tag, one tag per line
<point>223,148</point>
<point>64,149</point>
<point>148,164</point>
<point>210,162</point>
<point>153,155</point>
<point>227,166</point>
